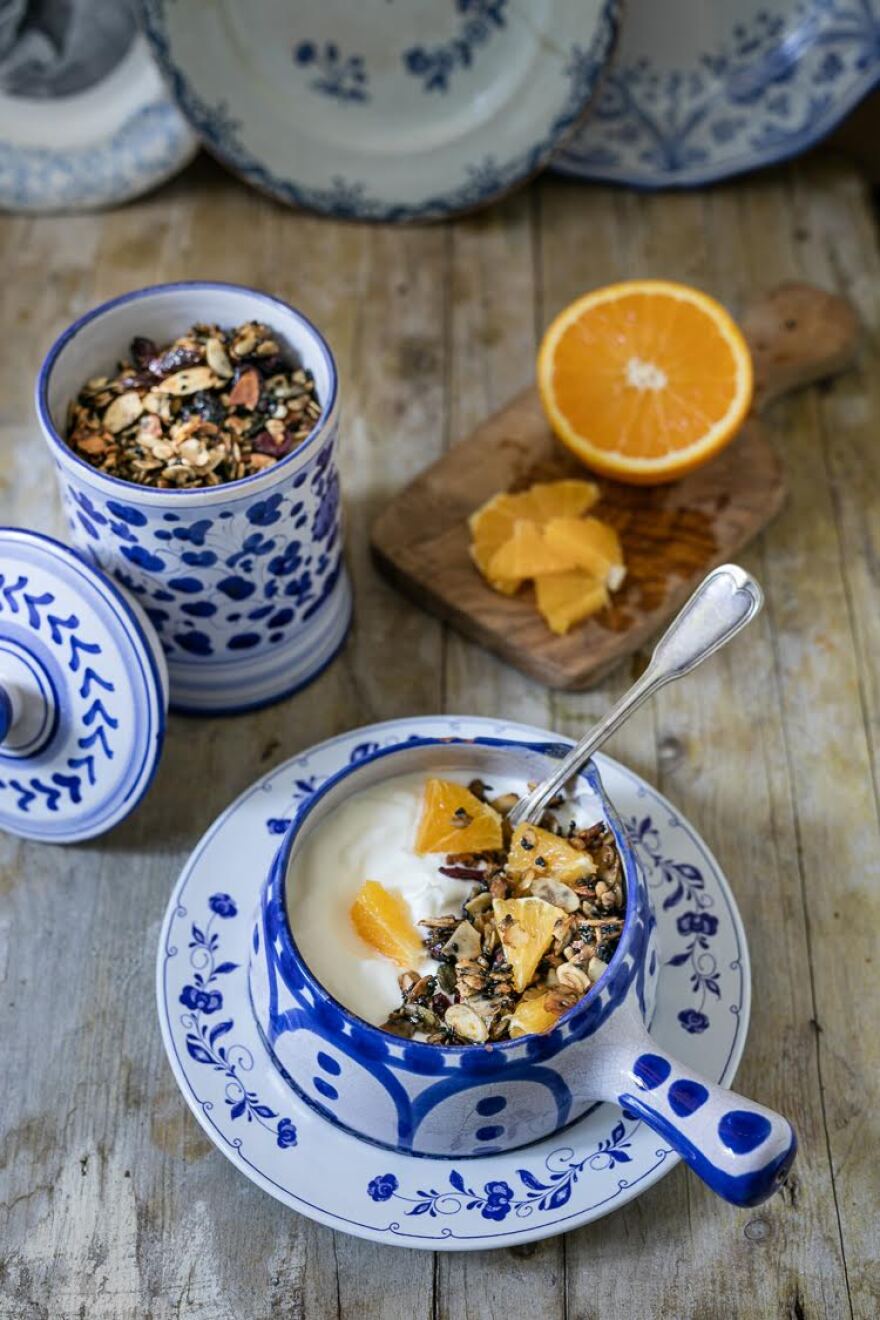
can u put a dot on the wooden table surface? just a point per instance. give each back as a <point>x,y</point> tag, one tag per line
<point>113,1204</point>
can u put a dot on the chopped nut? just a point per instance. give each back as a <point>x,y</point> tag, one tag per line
<point>464,1021</point>
<point>217,357</point>
<point>124,410</point>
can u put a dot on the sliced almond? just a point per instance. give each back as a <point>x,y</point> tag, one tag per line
<point>124,410</point>
<point>465,1022</point>
<point>218,358</point>
<point>188,381</point>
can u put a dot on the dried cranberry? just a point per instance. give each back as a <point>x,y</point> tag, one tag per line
<point>440,1004</point>
<point>142,352</point>
<point>137,380</point>
<point>264,443</point>
<point>175,360</point>
<point>462,872</point>
<point>269,366</point>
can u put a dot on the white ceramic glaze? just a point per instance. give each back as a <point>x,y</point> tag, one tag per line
<point>83,694</point>
<point>384,110</point>
<point>244,582</point>
<point>97,146</point>
<point>703,89</point>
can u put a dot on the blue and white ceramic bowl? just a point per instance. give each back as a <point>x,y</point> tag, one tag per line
<point>244,582</point>
<point>476,1100</point>
<point>384,109</point>
<point>704,89</point>
<point>84,119</point>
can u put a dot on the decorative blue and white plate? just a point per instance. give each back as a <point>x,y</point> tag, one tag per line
<point>83,694</point>
<point>277,1141</point>
<point>703,89</point>
<point>383,110</point>
<point>85,120</point>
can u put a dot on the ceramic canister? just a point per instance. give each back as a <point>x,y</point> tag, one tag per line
<point>476,1100</point>
<point>244,582</point>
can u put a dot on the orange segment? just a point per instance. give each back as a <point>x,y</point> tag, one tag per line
<point>556,499</point>
<point>532,1015</point>
<point>490,526</point>
<point>382,920</point>
<point>454,821</point>
<point>532,848</point>
<point>565,599</point>
<point>645,380</point>
<point>525,928</point>
<point>527,554</point>
<point>593,545</point>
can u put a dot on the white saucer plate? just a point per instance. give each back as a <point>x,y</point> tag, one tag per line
<point>100,145</point>
<point>700,90</point>
<point>384,110</point>
<point>277,1141</point>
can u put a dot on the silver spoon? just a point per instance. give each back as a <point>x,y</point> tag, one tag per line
<point>722,604</point>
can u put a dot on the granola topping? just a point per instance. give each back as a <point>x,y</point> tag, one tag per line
<point>455,948</point>
<point>214,406</point>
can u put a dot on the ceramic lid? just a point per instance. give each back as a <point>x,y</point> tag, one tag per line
<point>83,694</point>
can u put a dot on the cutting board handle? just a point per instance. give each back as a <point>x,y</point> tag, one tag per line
<point>798,335</point>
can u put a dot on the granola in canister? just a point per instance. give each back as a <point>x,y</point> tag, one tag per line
<point>537,928</point>
<point>212,407</point>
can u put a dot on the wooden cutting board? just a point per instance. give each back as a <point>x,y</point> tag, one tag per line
<point>671,535</point>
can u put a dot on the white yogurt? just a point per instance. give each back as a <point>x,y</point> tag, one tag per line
<point>371,836</point>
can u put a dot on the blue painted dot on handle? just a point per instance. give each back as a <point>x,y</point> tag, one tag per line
<point>651,1070</point>
<point>685,1097</point>
<point>325,1089</point>
<point>330,1065</point>
<point>491,1104</point>
<point>489,1133</point>
<point>741,1131</point>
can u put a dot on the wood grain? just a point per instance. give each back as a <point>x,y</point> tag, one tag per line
<point>671,535</point>
<point>113,1206</point>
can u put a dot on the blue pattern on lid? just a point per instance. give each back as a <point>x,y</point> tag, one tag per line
<point>88,740</point>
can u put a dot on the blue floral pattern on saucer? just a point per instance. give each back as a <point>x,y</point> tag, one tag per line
<point>680,108</point>
<point>604,1160</point>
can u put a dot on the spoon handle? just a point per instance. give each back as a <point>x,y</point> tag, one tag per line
<point>722,604</point>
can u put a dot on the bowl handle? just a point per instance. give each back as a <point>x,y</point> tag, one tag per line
<point>741,1150</point>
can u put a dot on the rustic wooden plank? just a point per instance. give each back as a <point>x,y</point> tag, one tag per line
<point>112,1202</point>
<point>490,354</point>
<point>748,1263</point>
<point>825,587</point>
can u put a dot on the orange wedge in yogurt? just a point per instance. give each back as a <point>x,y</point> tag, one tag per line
<point>453,820</point>
<point>382,920</point>
<point>532,848</point>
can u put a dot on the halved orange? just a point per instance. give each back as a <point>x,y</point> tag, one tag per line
<point>527,554</point>
<point>382,920</point>
<point>593,545</point>
<point>645,380</point>
<point>565,599</point>
<point>453,820</point>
